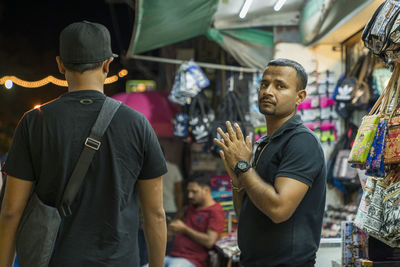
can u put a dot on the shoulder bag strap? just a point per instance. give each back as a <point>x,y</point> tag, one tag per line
<point>92,144</point>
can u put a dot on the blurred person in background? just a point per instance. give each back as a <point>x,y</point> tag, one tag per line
<point>199,229</point>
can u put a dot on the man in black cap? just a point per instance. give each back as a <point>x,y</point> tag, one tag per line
<point>103,227</point>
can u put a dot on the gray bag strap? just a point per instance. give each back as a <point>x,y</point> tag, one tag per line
<point>92,144</point>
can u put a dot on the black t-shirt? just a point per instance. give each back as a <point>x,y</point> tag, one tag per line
<point>292,151</point>
<point>102,230</point>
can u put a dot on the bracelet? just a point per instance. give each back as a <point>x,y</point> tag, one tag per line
<point>237,189</point>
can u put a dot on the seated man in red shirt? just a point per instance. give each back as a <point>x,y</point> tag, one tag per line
<point>200,229</point>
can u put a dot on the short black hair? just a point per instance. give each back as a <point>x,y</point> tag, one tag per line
<point>300,71</point>
<point>82,67</point>
<point>201,180</point>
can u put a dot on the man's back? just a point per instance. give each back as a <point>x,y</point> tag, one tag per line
<point>102,230</point>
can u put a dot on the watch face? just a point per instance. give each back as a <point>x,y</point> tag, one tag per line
<point>242,165</point>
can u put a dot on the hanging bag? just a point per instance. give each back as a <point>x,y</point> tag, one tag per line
<point>392,148</point>
<point>365,202</point>
<point>391,209</point>
<point>180,123</point>
<point>38,229</point>
<point>361,93</point>
<point>230,110</point>
<point>382,32</point>
<point>374,218</point>
<point>200,118</point>
<point>375,164</point>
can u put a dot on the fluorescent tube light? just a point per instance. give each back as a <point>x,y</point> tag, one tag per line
<point>245,9</point>
<point>279,4</point>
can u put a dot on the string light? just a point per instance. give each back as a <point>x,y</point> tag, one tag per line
<point>9,80</point>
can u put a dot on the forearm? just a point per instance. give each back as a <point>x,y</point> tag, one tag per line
<point>8,229</point>
<point>237,200</point>
<point>155,231</point>
<point>237,191</point>
<point>262,194</point>
<point>199,237</point>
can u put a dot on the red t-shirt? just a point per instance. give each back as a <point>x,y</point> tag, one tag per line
<point>201,220</point>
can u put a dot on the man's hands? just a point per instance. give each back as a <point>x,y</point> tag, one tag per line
<point>177,226</point>
<point>233,148</point>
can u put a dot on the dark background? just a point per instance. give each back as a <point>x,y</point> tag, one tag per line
<point>29,32</point>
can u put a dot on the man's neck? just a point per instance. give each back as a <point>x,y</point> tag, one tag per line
<point>207,203</point>
<point>88,80</point>
<point>273,123</point>
<point>72,89</point>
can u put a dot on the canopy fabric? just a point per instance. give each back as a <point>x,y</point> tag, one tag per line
<point>320,17</point>
<point>155,106</point>
<point>250,47</point>
<point>159,22</point>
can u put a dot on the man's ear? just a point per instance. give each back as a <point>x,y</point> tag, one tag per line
<point>106,65</point>
<point>301,95</point>
<point>60,65</point>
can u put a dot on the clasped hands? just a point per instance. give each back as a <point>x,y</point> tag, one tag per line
<point>176,226</point>
<point>234,147</point>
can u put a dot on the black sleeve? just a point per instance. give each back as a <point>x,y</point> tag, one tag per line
<point>153,163</point>
<point>303,159</point>
<point>19,162</point>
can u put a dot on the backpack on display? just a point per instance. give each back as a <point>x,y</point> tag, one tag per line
<point>180,123</point>
<point>353,92</point>
<point>200,117</point>
<point>189,81</point>
<point>229,110</point>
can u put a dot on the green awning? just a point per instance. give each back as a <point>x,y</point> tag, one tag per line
<point>162,22</point>
<point>250,47</point>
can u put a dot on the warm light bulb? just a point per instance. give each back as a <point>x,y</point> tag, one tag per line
<point>8,84</point>
<point>37,106</point>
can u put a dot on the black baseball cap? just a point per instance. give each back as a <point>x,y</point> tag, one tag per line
<point>85,42</point>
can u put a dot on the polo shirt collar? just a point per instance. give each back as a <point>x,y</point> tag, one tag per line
<point>290,124</point>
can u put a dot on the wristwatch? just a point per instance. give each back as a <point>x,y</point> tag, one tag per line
<point>242,166</point>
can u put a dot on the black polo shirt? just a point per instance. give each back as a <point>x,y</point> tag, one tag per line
<point>292,151</point>
<point>103,227</point>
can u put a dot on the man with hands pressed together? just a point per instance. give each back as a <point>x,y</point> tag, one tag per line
<point>279,194</point>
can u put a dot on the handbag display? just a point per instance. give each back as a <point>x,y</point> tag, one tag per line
<point>40,223</point>
<point>369,125</point>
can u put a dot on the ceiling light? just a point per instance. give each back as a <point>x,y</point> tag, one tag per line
<point>278,5</point>
<point>245,9</point>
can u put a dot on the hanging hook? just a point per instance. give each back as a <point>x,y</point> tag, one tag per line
<point>231,81</point>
